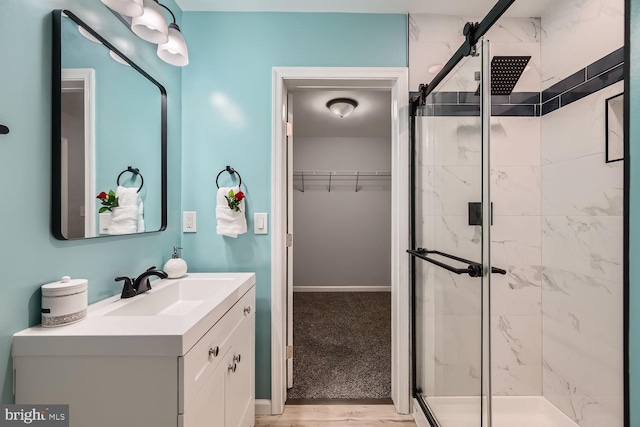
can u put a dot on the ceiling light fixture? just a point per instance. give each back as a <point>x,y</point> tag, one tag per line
<point>342,107</point>
<point>174,51</point>
<point>130,8</point>
<point>152,24</point>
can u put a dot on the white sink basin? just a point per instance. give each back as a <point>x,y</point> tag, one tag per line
<point>176,299</point>
<point>167,320</point>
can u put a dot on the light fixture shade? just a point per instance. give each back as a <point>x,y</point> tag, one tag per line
<point>125,7</point>
<point>174,51</point>
<point>342,107</point>
<point>118,58</point>
<point>88,35</point>
<point>152,24</point>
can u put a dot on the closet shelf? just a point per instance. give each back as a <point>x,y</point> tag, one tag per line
<point>330,176</point>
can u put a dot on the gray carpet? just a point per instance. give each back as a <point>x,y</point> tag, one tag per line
<point>342,345</point>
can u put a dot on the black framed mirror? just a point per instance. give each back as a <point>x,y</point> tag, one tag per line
<point>614,121</point>
<point>109,138</point>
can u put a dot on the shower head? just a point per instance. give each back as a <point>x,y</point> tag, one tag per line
<point>505,73</point>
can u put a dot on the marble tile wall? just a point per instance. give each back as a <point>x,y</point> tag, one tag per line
<point>516,297</point>
<point>557,314</point>
<point>582,220</point>
<point>449,304</point>
<point>451,177</point>
<point>433,39</point>
<point>582,265</point>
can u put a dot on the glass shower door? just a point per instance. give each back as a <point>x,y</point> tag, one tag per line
<point>450,245</point>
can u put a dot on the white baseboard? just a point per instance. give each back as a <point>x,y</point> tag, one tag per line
<point>342,289</point>
<point>263,407</point>
<point>418,415</point>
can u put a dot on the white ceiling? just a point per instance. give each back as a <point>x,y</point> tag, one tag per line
<point>523,8</point>
<point>312,118</point>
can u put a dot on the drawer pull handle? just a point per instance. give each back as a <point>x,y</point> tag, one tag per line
<point>214,351</point>
<point>247,310</point>
<point>232,368</point>
<point>236,359</point>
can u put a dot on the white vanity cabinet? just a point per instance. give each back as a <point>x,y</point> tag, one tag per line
<point>199,375</point>
<point>219,379</point>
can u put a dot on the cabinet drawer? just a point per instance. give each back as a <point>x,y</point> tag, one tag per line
<point>200,362</point>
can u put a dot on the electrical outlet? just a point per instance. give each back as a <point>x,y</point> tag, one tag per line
<point>188,222</point>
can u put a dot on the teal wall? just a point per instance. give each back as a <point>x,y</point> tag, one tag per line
<point>227,121</point>
<point>29,255</point>
<point>634,215</point>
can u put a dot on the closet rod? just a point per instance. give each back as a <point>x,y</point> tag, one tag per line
<point>347,174</point>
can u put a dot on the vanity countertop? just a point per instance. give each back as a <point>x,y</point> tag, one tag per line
<point>130,327</point>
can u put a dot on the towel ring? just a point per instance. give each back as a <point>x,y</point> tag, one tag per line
<point>231,171</point>
<point>134,171</point>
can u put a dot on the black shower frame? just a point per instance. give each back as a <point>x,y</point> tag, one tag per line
<point>473,33</point>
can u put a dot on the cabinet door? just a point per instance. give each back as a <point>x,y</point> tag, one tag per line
<point>239,390</point>
<point>208,408</point>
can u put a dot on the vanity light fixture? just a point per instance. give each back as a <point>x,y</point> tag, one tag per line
<point>118,58</point>
<point>130,8</point>
<point>88,35</point>
<point>151,25</point>
<point>342,107</point>
<point>174,51</point>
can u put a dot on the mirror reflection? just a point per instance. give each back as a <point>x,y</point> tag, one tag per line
<point>111,138</point>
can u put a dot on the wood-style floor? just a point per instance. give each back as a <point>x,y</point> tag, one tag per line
<point>336,416</point>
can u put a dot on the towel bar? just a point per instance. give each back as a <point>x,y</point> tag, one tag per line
<point>231,171</point>
<point>135,172</point>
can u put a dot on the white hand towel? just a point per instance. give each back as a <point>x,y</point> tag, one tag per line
<point>141,217</point>
<point>127,196</point>
<point>124,220</point>
<point>229,222</point>
<point>128,217</point>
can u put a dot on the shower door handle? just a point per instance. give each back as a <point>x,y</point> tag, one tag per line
<point>473,269</point>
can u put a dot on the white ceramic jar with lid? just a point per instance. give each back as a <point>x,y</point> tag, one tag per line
<point>64,302</point>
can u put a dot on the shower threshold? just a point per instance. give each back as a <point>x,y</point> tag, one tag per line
<point>508,411</point>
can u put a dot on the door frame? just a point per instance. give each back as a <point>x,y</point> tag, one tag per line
<point>84,80</point>
<point>396,79</point>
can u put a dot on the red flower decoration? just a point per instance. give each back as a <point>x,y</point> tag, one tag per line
<point>234,199</point>
<point>108,200</point>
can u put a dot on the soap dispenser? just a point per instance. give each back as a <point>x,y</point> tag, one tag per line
<point>176,267</point>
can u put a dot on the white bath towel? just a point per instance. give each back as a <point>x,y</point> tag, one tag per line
<point>127,218</point>
<point>229,222</point>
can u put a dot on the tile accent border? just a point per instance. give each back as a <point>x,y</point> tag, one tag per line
<point>600,74</point>
<point>594,77</point>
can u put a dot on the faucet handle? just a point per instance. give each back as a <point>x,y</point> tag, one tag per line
<point>128,290</point>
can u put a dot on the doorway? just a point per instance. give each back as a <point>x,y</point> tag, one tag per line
<point>286,80</point>
<point>340,146</point>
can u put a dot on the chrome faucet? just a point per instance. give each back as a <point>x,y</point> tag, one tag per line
<point>140,284</point>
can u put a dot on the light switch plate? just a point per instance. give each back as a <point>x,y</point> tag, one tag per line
<point>260,223</point>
